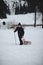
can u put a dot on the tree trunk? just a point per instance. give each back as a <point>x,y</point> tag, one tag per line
<point>35,19</point>
<point>42,19</point>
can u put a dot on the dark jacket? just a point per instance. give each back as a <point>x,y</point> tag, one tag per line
<point>20,31</point>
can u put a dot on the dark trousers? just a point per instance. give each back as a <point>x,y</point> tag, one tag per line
<point>21,42</point>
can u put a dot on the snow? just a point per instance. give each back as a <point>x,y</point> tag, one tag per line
<point>11,53</point>
<point>24,19</point>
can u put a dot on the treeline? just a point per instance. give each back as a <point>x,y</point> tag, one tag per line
<point>4,9</point>
<point>22,7</point>
<point>32,4</point>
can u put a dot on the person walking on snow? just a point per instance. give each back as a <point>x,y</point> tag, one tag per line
<point>20,30</point>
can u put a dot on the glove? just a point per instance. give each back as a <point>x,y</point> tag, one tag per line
<point>14,30</point>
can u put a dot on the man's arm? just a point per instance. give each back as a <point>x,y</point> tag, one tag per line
<point>16,29</point>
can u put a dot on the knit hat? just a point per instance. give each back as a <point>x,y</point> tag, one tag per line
<point>19,24</point>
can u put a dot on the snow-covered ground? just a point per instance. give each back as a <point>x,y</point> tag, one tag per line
<point>13,54</point>
<point>24,19</point>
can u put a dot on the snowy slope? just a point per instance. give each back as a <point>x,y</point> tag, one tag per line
<point>11,54</point>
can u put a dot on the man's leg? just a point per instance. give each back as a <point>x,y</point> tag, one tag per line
<point>21,42</point>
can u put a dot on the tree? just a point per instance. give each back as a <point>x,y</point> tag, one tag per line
<point>3,9</point>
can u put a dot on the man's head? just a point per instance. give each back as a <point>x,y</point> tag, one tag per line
<point>19,25</point>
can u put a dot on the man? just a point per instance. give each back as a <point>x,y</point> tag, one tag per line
<point>20,32</point>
